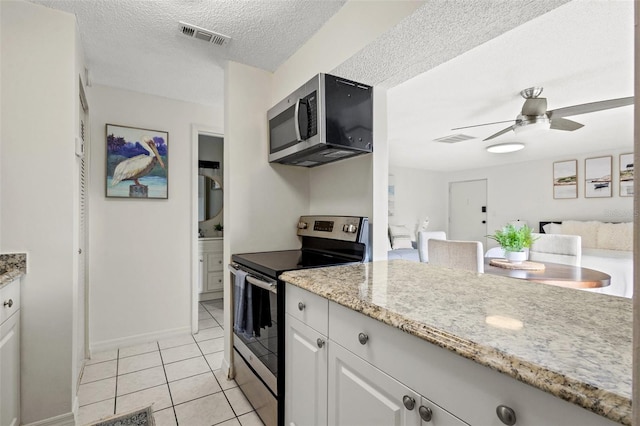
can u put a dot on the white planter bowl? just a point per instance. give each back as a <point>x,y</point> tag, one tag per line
<point>515,257</point>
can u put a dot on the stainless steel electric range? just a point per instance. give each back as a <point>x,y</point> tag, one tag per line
<point>259,301</point>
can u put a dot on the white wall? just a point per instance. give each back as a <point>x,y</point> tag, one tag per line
<point>140,250</point>
<point>419,194</point>
<point>516,191</point>
<point>262,201</point>
<point>38,164</point>
<point>347,187</point>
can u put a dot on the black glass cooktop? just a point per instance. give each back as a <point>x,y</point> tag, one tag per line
<point>273,263</point>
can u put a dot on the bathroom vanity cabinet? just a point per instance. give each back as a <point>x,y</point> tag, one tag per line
<point>211,268</point>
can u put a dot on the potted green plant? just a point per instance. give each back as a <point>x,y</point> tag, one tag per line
<point>513,241</point>
<point>218,228</point>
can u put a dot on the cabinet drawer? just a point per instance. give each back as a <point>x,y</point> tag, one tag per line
<point>214,281</point>
<point>210,245</point>
<point>214,262</point>
<point>469,390</point>
<point>9,300</point>
<point>307,307</point>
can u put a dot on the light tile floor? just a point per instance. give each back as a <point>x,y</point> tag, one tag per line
<point>181,377</point>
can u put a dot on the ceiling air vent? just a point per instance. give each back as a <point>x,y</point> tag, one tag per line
<point>454,138</point>
<point>201,34</point>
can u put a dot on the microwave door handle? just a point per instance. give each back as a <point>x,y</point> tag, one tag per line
<point>302,103</point>
<point>296,115</point>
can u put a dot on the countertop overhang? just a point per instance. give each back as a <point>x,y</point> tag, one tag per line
<point>12,266</point>
<point>574,344</point>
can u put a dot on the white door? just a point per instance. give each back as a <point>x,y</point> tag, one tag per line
<point>10,371</point>
<point>305,375</point>
<point>360,394</point>
<point>81,312</point>
<point>467,211</point>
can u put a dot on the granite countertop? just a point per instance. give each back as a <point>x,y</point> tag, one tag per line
<point>573,344</point>
<point>12,266</point>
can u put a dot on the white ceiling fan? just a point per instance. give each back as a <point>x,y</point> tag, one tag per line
<point>534,113</point>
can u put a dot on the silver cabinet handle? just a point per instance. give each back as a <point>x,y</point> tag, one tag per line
<point>320,342</point>
<point>506,415</point>
<point>300,306</point>
<point>363,338</point>
<point>9,303</point>
<point>425,413</point>
<point>409,403</point>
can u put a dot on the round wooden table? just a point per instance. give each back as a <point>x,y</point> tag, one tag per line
<point>554,274</point>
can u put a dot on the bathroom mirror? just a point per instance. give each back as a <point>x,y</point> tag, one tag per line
<point>209,198</point>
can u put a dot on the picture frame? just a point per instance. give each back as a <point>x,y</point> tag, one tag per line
<point>391,196</point>
<point>565,179</point>
<point>597,175</point>
<point>137,162</point>
<point>626,175</point>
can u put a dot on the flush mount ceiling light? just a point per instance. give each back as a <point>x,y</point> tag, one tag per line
<point>503,148</point>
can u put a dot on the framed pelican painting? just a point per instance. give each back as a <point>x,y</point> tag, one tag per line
<point>137,162</point>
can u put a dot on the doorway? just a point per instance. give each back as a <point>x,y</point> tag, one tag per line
<point>468,211</point>
<point>207,229</point>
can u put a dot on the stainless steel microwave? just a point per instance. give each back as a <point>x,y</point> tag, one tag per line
<point>328,119</point>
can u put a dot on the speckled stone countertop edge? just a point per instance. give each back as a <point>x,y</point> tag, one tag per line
<point>14,266</point>
<point>607,404</point>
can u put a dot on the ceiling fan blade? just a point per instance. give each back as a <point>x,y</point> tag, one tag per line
<point>501,132</point>
<point>590,107</point>
<point>534,106</point>
<point>485,124</point>
<point>565,124</point>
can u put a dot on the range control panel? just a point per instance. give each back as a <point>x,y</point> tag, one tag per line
<point>347,228</point>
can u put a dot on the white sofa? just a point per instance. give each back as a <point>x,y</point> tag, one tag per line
<point>401,246</point>
<point>606,247</point>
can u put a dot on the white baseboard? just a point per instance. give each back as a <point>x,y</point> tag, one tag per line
<point>226,368</point>
<point>138,339</point>
<point>62,420</point>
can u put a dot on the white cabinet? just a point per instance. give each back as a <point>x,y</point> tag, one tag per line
<point>305,374</point>
<point>465,389</point>
<point>369,373</point>
<point>363,395</point>
<point>306,328</point>
<point>10,355</point>
<point>211,268</point>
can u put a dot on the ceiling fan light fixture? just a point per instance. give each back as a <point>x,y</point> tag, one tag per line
<point>531,124</point>
<point>503,148</point>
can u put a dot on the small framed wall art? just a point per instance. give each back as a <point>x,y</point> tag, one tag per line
<point>137,162</point>
<point>565,179</point>
<point>597,175</point>
<point>626,175</point>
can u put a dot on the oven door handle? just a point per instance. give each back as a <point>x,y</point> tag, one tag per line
<point>270,286</point>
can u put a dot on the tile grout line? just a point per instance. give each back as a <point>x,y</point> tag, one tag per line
<point>221,388</point>
<point>173,407</point>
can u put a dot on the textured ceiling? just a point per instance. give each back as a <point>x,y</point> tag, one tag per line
<point>136,45</point>
<point>452,63</point>
<point>438,31</point>
<point>579,52</point>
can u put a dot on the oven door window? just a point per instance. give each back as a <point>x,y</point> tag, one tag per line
<point>263,343</point>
